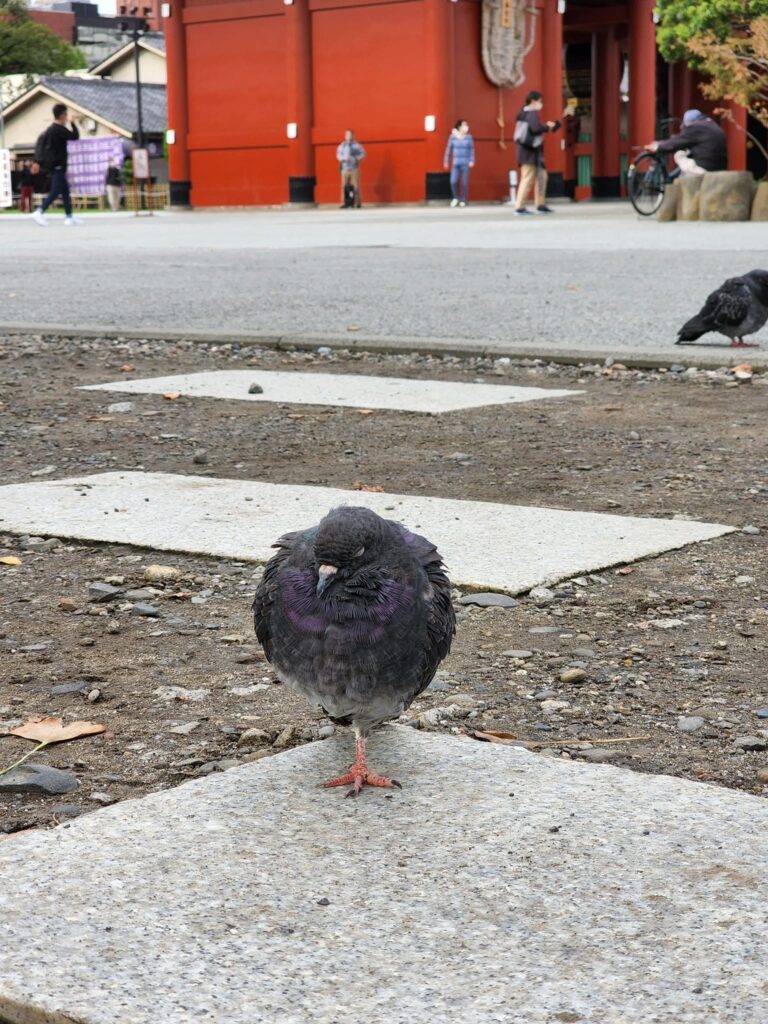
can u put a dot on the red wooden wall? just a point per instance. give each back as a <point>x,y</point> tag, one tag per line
<point>377,66</point>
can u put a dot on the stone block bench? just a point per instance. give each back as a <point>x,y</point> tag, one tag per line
<point>715,196</point>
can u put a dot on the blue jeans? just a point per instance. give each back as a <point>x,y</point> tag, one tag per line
<point>59,187</point>
<point>460,191</point>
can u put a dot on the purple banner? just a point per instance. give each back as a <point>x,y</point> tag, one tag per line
<point>87,163</point>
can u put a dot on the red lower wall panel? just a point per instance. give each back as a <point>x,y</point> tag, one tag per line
<point>392,172</point>
<point>245,177</point>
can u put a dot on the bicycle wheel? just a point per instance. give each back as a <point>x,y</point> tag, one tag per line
<point>646,181</point>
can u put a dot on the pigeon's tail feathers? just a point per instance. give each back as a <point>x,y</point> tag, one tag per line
<point>693,330</point>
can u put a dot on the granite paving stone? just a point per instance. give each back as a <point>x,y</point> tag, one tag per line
<point>487,546</point>
<point>497,886</point>
<point>334,389</point>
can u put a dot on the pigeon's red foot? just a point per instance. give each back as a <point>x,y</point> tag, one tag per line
<point>738,343</point>
<point>360,775</point>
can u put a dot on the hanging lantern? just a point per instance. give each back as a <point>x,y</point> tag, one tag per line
<point>508,34</point>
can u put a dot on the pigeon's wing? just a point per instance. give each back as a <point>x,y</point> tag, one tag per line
<point>724,309</point>
<point>441,618</point>
<point>266,594</point>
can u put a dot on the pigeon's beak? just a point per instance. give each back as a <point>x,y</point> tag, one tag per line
<point>325,574</point>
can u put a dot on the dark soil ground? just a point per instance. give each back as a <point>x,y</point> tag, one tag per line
<point>638,443</point>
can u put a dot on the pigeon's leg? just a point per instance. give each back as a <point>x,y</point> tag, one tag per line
<point>740,343</point>
<point>359,774</point>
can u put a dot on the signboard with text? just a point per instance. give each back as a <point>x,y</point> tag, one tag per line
<point>140,159</point>
<point>87,163</point>
<point>6,190</point>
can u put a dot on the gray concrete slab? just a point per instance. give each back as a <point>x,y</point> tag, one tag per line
<point>335,389</point>
<point>590,278</point>
<point>497,886</point>
<point>492,546</point>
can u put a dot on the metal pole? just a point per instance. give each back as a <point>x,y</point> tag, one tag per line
<point>140,119</point>
<point>2,126</point>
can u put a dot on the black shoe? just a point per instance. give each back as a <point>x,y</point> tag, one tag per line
<point>523,212</point>
<point>544,209</point>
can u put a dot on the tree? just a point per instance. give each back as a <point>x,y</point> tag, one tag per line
<point>29,48</point>
<point>681,21</point>
<point>737,66</point>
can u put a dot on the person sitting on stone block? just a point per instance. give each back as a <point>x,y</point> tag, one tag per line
<point>700,147</point>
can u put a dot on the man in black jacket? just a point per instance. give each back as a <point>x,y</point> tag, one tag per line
<point>529,135</point>
<point>701,145</point>
<point>57,136</point>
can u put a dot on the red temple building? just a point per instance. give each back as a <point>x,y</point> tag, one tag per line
<point>261,91</point>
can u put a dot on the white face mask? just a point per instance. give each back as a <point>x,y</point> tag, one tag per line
<point>537,104</point>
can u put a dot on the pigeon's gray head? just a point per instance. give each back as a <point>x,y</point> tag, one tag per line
<point>346,539</point>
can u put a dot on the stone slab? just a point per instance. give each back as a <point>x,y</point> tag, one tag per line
<point>496,886</point>
<point>343,389</point>
<point>487,546</point>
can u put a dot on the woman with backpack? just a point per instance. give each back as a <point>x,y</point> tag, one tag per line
<point>529,136</point>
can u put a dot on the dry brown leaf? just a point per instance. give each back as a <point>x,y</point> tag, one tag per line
<point>364,412</point>
<point>52,730</point>
<point>370,488</point>
<point>353,327</point>
<point>746,367</point>
<point>625,570</point>
<point>171,396</point>
<point>495,737</point>
<point>10,560</point>
<point>127,368</point>
<point>295,416</point>
<point>98,419</point>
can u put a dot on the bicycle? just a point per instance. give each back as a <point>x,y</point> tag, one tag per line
<point>648,176</point>
<point>647,179</point>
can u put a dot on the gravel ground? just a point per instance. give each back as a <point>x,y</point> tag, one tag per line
<point>657,666</point>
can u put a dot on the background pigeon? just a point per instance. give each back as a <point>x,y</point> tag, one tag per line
<point>356,614</point>
<point>738,307</point>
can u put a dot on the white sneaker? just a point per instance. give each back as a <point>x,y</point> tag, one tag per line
<point>454,202</point>
<point>71,221</point>
<point>39,217</point>
<point>462,203</point>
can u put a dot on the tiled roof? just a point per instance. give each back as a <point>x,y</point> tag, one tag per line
<point>113,101</point>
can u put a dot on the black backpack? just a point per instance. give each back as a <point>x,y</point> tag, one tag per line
<point>44,151</point>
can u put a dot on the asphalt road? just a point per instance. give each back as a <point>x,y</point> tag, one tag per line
<point>586,278</point>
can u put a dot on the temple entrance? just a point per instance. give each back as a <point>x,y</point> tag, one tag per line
<point>610,90</point>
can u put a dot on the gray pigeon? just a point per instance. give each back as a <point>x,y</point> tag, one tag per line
<point>356,615</point>
<point>738,307</point>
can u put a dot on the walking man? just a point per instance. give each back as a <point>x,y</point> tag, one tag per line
<point>53,158</point>
<point>460,157</point>
<point>349,154</point>
<point>529,135</point>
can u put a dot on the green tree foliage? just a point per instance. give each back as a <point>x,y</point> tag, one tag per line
<point>684,20</point>
<point>29,48</point>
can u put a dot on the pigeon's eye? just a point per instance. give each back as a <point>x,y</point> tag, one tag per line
<point>359,552</point>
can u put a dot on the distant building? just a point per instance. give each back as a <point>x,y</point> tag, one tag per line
<point>96,34</point>
<point>120,66</point>
<point>102,108</point>
<point>260,93</point>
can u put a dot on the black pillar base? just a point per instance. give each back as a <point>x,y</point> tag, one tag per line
<point>437,185</point>
<point>569,188</point>
<point>179,192</point>
<point>606,187</point>
<point>301,190</point>
<point>556,185</point>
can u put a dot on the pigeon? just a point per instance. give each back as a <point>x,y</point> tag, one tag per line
<point>738,307</point>
<point>355,613</point>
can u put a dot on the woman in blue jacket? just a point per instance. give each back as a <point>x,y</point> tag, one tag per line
<point>460,156</point>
